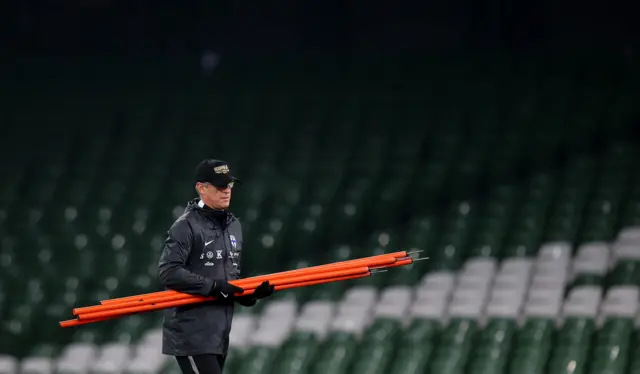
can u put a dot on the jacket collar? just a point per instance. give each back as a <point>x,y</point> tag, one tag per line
<point>210,213</point>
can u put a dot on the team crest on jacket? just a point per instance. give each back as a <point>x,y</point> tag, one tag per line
<point>209,257</point>
<point>233,240</point>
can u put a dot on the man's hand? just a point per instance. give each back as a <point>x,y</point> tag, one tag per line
<point>224,290</point>
<point>263,290</point>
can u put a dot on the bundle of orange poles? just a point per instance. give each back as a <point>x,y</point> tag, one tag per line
<point>315,275</point>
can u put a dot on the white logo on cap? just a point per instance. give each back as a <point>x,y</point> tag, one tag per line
<point>222,169</point>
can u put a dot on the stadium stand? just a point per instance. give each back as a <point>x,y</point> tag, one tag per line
<point>522,188</point>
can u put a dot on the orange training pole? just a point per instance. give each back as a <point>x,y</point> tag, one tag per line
<point>196,299</point>
<point>246,283</point>
<point>77,322</point>
<point>265,277</point>
<point>400,262</point>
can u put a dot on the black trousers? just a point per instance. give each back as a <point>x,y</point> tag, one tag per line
<point>201,364</point>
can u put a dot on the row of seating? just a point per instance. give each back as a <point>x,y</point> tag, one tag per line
<point>125,267</point>
<point>517,318</point>
<point>518,314</point>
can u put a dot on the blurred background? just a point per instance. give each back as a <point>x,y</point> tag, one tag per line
<point>499,138</point>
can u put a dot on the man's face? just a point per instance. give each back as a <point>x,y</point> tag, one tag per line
<point>216,197</point>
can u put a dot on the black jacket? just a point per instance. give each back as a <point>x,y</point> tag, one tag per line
<point>202,245</point>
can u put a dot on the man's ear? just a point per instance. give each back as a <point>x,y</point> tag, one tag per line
<point>199,188</point>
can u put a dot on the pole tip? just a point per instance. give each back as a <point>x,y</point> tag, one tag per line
<point>420,259</point>
<point>374,271</point>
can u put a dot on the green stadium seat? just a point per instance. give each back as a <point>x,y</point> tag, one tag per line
<point>297,354</point>
<point>611,347</point>
<point>336,354</point>
<point>492,347</point>
<point>259,360</point>
<point>454,345</point>
<point>634,366</point>
<point>532,346</point>
<point>572,347</point>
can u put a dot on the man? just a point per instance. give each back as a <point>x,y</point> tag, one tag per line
<point>201,253</point>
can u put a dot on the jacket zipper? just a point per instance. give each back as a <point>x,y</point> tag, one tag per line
<point>226,277</point>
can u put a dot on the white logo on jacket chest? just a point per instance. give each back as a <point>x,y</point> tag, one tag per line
<point>209,257</point>
<point>232,238</point>
<point>218,254</point>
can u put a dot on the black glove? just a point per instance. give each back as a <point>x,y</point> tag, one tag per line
<point>222,289</point>
<point>263,290</point>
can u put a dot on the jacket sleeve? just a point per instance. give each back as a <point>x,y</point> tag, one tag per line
<point>247,300</point>
<point>171,268</point>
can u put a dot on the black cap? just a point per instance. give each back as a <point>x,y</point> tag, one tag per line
<point>216,172</point>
